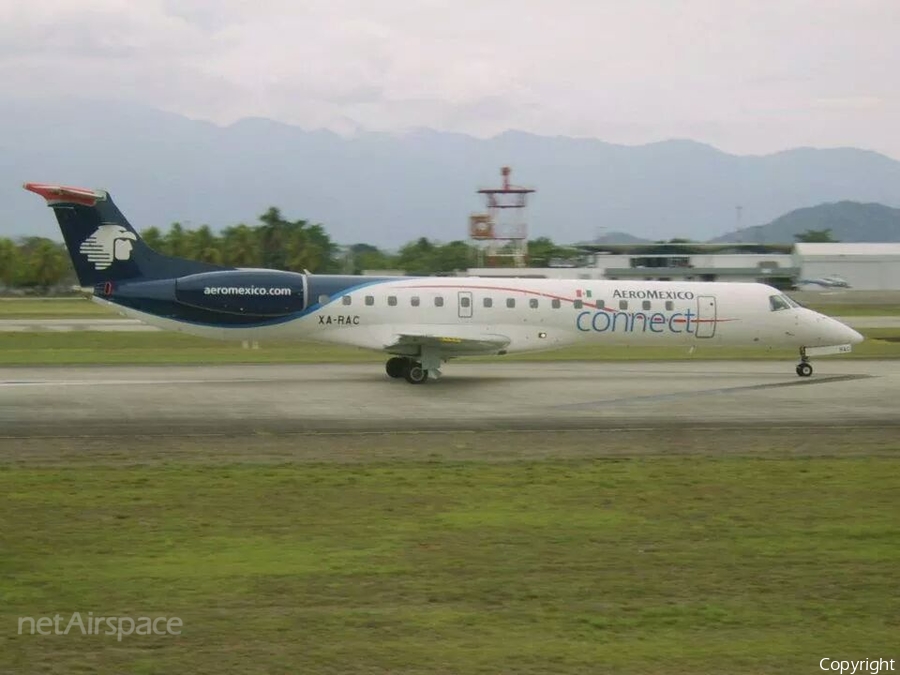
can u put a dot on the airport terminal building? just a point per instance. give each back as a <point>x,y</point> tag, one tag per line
<point>870,267</point>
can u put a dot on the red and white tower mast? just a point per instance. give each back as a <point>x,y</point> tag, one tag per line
<point>502,231</point>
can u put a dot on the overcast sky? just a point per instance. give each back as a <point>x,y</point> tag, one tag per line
<point>748,76</point>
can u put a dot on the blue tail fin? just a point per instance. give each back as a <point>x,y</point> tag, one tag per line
<point>103,245</point>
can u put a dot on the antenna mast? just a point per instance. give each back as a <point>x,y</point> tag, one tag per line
<point>502,230</point>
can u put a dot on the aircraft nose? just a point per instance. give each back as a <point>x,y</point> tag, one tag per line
<point>844,334</point>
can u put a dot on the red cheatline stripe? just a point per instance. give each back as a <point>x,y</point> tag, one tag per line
<point>552,297</point>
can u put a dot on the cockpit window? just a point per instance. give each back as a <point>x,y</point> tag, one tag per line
<point>778,302</point>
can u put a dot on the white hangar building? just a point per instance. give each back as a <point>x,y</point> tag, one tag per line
<point>771,264</point>
<point>864,267</point>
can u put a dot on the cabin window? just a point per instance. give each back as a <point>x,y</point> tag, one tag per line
<point>669,305</point>
<point>414,301</point>
<point>623,304</point>
<point>323,299</point>
<point>646,305</point>
<point>511,303</point>
<point>346,299</point>
<point>370,300</point>
<point>555,303</point>
<point>578,304</point>
<point>533,303</point>
<point>488,302</point>
<point>464,301</point>
<point>439,301</point>
<point>392,300</point>
<point>778,302</point>
<point>601,304</point>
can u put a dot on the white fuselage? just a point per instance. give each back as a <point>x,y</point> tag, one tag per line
<point>536,314</point>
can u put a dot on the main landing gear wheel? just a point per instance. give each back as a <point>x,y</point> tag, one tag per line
<point>396,367</point>
<point>416,374</point>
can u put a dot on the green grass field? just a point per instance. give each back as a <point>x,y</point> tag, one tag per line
<point>856,310</point>
<point>646,565</point>
<point>53,308</point>
<point>86,347</point>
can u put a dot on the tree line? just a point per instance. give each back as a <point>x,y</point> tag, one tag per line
<point>38,264</point>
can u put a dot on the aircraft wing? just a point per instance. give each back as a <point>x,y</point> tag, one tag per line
<point>446,340</point>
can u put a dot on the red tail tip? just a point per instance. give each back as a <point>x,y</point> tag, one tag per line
<point>60,194</point>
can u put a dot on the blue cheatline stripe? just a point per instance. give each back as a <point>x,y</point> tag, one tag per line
<point>272,322</point>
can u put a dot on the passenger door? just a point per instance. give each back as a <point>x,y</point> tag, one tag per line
<point>706,316</point>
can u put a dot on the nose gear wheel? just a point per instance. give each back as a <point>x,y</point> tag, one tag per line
<point>804,368</point>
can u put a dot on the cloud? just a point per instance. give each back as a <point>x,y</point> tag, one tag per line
<point>849,102</point>
<point>754,74</point>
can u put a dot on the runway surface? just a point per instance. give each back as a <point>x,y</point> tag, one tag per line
<point>178,400</point>
<point>69,325</point>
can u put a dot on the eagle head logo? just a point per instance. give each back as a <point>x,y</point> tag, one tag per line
<point>109,242</point>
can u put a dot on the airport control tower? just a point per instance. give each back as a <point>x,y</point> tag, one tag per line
<point>502,230</point>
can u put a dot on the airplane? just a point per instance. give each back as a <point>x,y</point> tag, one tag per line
<point>421,322</point>
<point>832,281</point>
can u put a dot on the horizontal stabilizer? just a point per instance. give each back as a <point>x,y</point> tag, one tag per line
<point>60,194</point>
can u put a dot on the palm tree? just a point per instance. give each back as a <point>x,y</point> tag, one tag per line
<point>47,264</point>
<point>154,239</point>
<point>203,245</point>
<point>273,238</point>
<point>302,253</point>
<point>418,257</point>
<point>176,241</point>
<point>241,246</point>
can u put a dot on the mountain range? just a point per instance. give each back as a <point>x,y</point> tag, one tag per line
<point>848,221</point>
<point>386,189</point>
